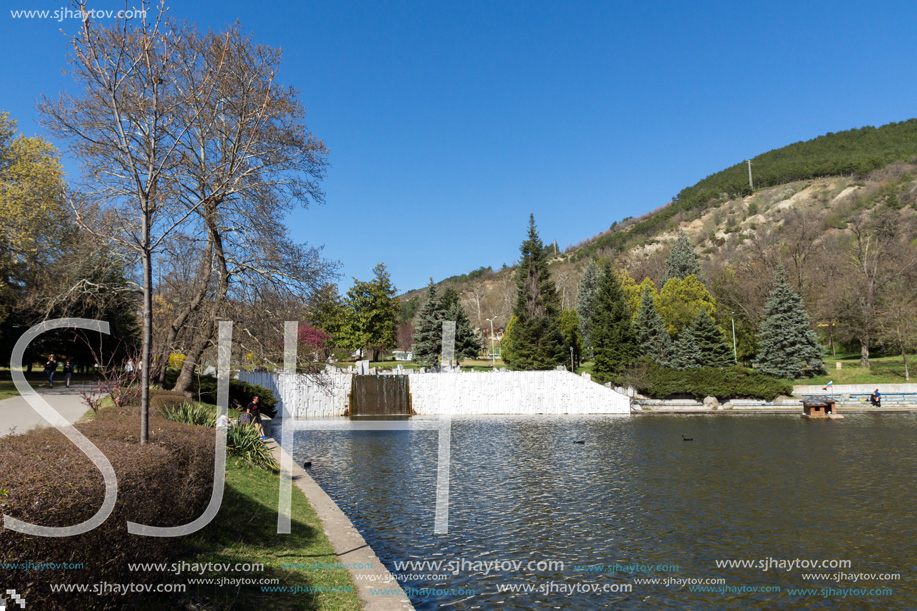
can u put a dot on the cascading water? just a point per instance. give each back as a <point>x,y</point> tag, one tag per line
<point>384,395</point>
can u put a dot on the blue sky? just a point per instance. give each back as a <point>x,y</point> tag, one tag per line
<point>449,122</point>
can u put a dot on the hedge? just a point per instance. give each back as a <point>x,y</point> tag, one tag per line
<point>48,481</point>
<point>723,383</point>
<point>204,389</point>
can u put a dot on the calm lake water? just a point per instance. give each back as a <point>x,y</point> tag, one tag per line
<point>748,487</point>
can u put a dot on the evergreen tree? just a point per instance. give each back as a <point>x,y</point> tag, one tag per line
<point>428,325</point>
<point>653,339</point>
<point>573,339</point>
<point>613,339</point>
<point>450,299</point>
<point>468,344</point>
<point>370,314</point>
<point>687,353</point>
<point>787,347</point>
<point>588,288</point>
<point>682,261</point>
<point>326,311</point>
<point>537,341</point>
<point>507,349</point>
<point>714,352</point>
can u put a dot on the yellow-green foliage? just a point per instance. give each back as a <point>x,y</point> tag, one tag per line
<point>30,192</point>
<point>681,300</point>
<point>633,292</point>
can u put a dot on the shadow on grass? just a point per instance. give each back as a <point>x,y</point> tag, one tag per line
<point>245,532</point>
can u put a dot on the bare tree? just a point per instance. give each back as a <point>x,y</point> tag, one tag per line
<point>246,160</point>
<point>123,128</point>
<point>879,256</point>
<point>898,318</point>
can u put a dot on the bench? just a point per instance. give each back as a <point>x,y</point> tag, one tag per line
<point>862,399</point>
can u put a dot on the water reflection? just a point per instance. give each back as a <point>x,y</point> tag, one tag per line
<point>747,487</point>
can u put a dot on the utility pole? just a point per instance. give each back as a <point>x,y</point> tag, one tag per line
<point>750,183</point>
<point>735,353</point>
<point>493,350</point>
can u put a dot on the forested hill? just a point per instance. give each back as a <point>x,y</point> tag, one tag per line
<point>837,213</point>
<point>853,152</point>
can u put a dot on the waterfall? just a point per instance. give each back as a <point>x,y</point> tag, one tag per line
<point>387,395</point>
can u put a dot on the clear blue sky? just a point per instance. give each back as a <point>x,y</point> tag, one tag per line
<point>449,122</point>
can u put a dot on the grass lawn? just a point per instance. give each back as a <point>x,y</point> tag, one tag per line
<point>882,370</point>
<point>244,531</point>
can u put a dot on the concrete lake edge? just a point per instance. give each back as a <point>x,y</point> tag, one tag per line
<point>349,545</point>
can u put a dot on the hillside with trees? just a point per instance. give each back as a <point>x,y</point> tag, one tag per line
<point>836,213</point>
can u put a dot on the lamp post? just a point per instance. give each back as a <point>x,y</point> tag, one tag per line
<point>735,352</point>
<point>572,366</point>
<point>493,353</point>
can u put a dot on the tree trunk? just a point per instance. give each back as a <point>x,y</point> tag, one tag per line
<point>182,318</point>
<point>907,375</point>
<point>147,331</point>
<point>192,359</point>
<point>216,244</point>
<point>864,352</point>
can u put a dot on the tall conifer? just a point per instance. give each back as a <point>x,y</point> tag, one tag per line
<point>467,343</point>
<point>428,325</point>
<point>537,341</point>
<point>686,353</point>
<point>787,346</point>
<point>714,352</point>
<point>613,341</point>
<point>588,288</point>
<point>682,261</point>
<point>653,339</point>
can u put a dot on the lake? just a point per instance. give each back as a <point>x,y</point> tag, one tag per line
<point>635,517</point>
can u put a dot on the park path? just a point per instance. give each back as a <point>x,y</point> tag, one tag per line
<point>17,416</point>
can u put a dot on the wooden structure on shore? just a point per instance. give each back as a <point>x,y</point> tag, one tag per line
<point>822,407</point>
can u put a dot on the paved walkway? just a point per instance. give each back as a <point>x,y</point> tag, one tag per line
<point>17,416</point>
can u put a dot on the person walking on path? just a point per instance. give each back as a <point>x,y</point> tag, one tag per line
<point>255,410</point>
<point>50,368</point>
<point>68,372</point>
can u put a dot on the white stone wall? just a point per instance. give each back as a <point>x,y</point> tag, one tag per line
<point>513,392</point>
<point>306,395</point>
<point>467,393</point>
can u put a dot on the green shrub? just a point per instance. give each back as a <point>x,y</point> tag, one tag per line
<point>243,441</point>
<point>204,389</point>
<point>723,383</point>
<point>191,413</point>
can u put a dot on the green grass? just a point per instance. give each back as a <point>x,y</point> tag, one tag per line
<point>882,370</point>
<point>244,531</point>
